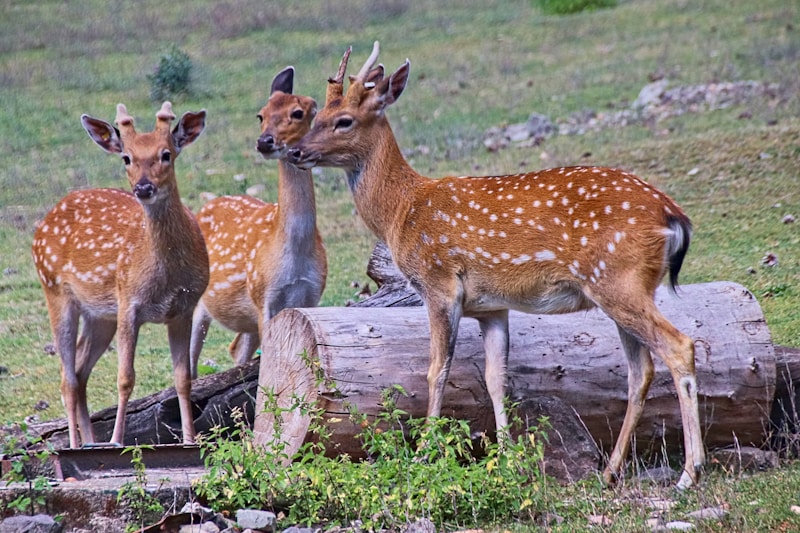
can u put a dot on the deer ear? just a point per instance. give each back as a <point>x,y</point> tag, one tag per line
<point>188,129</point>
<point>103,134</point>
<point>393,87</point>
<point>388,90</point>
<point>283,81</point>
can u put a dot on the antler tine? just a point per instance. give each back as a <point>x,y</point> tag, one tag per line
<point>164,116</point>
<point>362,74</point>
<point>336,84</point>
<point>124,121</point>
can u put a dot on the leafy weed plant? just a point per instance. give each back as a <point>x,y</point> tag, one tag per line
<point>415,468</point>
<point>141,505</point>
<point>25,469</point>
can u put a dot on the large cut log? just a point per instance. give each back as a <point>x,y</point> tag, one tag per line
<point>344,358</point>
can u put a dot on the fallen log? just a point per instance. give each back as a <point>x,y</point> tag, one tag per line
<point>343,358</point>
<point>155,419</point>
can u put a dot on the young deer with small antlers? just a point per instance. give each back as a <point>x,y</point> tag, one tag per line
<point>117,260</point>
<point>264,257</point>
<point>552,241</point>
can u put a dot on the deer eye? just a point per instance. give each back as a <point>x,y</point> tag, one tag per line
<point>166,156</point>
<point>343,123</point>
<point>126,159</point>
<point>260,118</point>
<point>297,114</point>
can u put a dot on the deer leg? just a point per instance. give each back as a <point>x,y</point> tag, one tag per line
<point>127,335</point>
<point>494,329</point>
<point>201,320</point>
<point>444,331</point>
<point>640,375</point>
<point>64,321</point>
<point>92,344</point>
<point>243,346</point>
<point>649,327</point>
<point>179,333</point>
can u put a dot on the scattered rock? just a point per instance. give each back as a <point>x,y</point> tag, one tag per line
<point>769,260</point>
<point>256,519</point>
<point>745,458</point>
<point>49,348</point>
<point>709,513</point>
<point>207,196</point>
<point>255,190</point>
<point>30,524</point>
<point>676,525</point>
<point>41,405</point>
<point>788,219</point>
<point>421,526</point>
<point>662,475</point>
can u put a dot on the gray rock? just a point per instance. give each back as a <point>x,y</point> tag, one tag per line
<point>255,519</point>
<point>30,524</point>
<point>650,94</point>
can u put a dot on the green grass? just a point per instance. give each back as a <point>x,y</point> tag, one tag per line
<point>474,65</point>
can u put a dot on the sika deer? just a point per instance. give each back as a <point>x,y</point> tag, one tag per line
<point>117,260</point>
<point>552,241</point>
<point>264,257</point>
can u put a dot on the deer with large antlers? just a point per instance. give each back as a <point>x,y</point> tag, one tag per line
<point>116,260</point>
<point>264,257</point>
<point>552,241</point>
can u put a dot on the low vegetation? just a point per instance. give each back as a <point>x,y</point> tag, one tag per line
<point>473,65</point>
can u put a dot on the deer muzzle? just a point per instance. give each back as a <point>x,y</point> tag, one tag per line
<point>267,146</point>
<point>301,159</point>
<point>145,191</point>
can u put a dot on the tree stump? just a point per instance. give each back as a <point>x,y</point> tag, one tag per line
<point>343,358</point>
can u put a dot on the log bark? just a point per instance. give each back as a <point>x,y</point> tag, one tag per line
<point>345,358</point>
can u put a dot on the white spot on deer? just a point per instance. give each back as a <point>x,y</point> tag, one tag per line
<point>618,236</point>
<point>425,239</point>
<point>505,256</point>
<point>549,203</point>
<point>518,210</point>
<point>443,239</point>
<point>602,264</point>
<point>493,217</point>
<point>565,236</point>
<point>584,240</point>
<point>537,203</point>
<point>611,247</point>
<point>544,255</point>
<point>502,234</point>
<point>518,221</point>
<point>626,205</point>
<point>524,258</point>
<point>595,225</point>
<point>607,210</point>
<point>632,220</point>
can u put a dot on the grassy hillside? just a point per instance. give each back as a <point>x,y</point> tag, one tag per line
<point>474,65</point>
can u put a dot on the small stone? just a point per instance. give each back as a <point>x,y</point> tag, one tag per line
<point>255,519</point>
<point>678,525</point>
<point>421,526</point>
<point>207,196</point>
<point>663,475</point>
<point>239,177</point>
<point>709,513</point>
<point>795,509</point>
<point>769,259</point>
<point>39,523</point>
<point>788,219</point>
<point>256,189</point>
<point>693,171</point>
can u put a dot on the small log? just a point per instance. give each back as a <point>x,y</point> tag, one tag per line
<point>344,358</point>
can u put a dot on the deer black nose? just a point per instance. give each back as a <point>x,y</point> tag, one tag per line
<point>144,190</point>
<point>265,144</point>
<point>294,155</point>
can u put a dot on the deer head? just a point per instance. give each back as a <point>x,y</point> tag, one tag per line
<point>285,118</point>
<point>148,157</point>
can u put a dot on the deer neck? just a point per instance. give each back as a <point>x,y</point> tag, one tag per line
<point>383,184</point>
<point>168,229</point>
<point>297,211</point>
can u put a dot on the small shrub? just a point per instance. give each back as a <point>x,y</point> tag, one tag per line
<point>417,468</point>
<point>172,77</point>
<point>567,7</point>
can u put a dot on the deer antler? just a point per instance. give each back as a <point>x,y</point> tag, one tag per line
<point>124,121</point>
<point>336,84</point>
<point>164,117</point>
<point>362,74</point>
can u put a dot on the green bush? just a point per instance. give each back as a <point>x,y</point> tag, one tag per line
<point>567,7</point>
<point>416,469</point>
<point>172,77</point>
